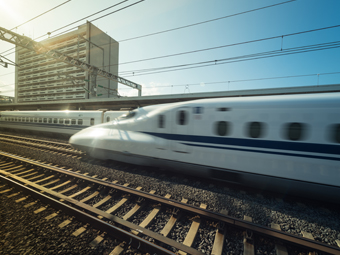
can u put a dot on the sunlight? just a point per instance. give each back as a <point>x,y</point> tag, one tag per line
<point>7,9</point>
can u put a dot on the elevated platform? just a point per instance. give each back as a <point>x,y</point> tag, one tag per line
<point>133,102</point>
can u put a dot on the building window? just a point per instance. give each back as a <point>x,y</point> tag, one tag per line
<point>295,131</point>
<point>45,120</point>
<point>92,122</point>
<point>182,117</point>
<point>55,121</point>
<point>67,121</point>
<point>107,118</point>
<point>336,133</point>
<point>222,128</point>
<point>73,122</point>
<point>161,121</point>
<point>49,120</point>
<point>80,122</point>
<point>61,121</point>
<point>255,129</point>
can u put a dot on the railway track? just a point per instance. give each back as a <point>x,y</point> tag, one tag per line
<point>147,221</point>
<point>57,147</point>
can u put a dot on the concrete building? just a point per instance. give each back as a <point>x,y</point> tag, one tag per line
<point>46,79</point>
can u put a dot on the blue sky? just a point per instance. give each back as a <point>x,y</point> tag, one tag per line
<point>152,16</point>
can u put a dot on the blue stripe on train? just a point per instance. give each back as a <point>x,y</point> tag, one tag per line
<point>253,143</point>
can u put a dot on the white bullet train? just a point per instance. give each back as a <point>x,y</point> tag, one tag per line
<point>54,122</point>
<point>288,143</point>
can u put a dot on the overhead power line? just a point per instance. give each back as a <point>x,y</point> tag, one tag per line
<point>227,45</point>
<point>42,14</point>
<point>83,19</point>
<point>260,55</point>
<point>199,23</point>
<point>207,21</point>
<point>235,81</point>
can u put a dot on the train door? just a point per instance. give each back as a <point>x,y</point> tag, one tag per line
<point>162,127</point>
<point>181,124</point>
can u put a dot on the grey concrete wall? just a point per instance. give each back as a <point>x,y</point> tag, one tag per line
<point>103,53</point>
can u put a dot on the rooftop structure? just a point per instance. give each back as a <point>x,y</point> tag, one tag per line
<point>41,79</point>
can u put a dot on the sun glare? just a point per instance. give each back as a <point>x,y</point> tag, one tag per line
<point>6,9</point>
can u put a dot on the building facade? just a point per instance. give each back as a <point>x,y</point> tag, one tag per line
<point>38,78</point>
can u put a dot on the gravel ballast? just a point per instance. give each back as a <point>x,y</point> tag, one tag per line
<point>293,215</point>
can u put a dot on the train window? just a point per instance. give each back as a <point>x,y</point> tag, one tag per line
<point>222,128</point>
<point>161,121</point>
<point>45,120</point>
<point>67,121</point>
<point>181,117</point>
<point>15,119</point>
<point>255,129</point>
<point>127,116</point>
<point>55,121</point>
<point>80,122</point>
<point>49,120</point>
<point>336,133</point>
<point>223,109</point>
<point>40,120</point>
<point>73,122</point>
<point>294,131</point>
<point>92,122</point>
<point>35,119</point>
<point>107,118</point>
<point>61,121</point>
<point>197,110</point>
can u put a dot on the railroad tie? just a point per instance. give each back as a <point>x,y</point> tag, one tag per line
<point>94,194</point>
<point>51,216</point>
<point>64,223</point>
<point>96,241</point>
<point>190,237</point>
<point>60,185</point>
<point>21,199</point>
<point>338,242</point>
<point>80,192</point>
<point>79,231</point>
<point>119,204</point>
<point>171,223</point>
<point>248,241</point>
<point>279,248</point>
<point>150,217</point>
<point>136,208</point>
<point>219,237</point>
<point>13,195</point>
<point>309,236</point>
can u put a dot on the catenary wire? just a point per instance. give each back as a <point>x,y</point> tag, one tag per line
<point>203,22</point>
<point>228,45</point>
<point>267,54</point>
<point>206,21</point>
<point>75,22</point>
<point>42,14</point>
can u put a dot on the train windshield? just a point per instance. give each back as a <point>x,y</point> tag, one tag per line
<point>127,115</point>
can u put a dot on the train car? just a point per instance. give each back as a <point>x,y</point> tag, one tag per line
<point>54,122</point>
<point>289,144</point>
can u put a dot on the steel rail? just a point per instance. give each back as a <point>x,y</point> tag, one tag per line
<point>131,239</point>
<point>39,144</point>
<point>36,140</point>
<point>95,211</point>
<point>262,230</point>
